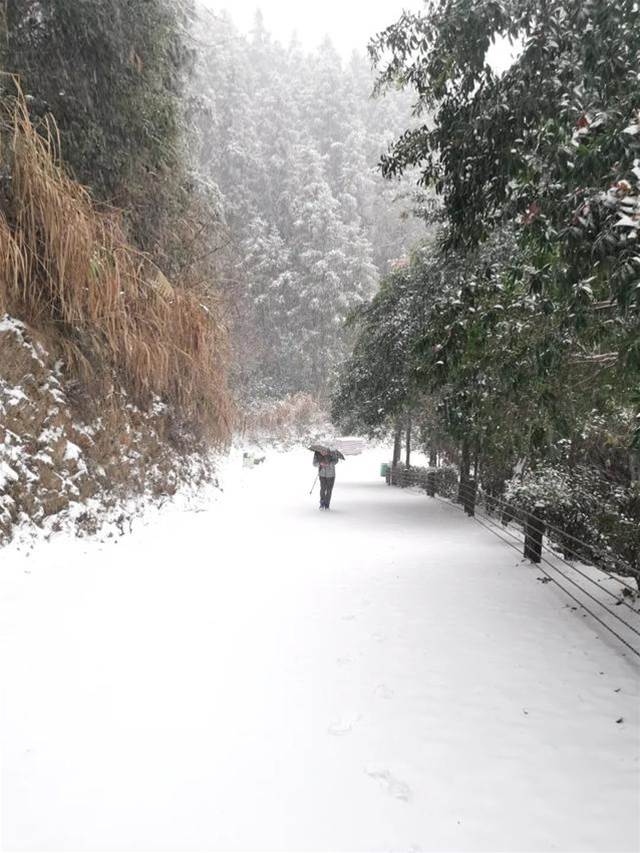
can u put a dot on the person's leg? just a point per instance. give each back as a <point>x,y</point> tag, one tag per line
<point>329,488</point>
<point>323,492</point>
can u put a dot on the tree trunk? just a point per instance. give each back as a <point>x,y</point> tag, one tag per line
<point>408,456</point>
<point>433,457</point>
<point>397,443</point>
<point>465,461</point>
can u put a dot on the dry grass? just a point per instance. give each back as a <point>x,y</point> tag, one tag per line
<point>68,270</point>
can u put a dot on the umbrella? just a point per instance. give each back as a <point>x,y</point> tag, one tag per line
<point>323,450</point>
<point>320,448</point>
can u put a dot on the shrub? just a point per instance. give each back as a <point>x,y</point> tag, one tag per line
<point>446,480</point>
<point>579,502</point>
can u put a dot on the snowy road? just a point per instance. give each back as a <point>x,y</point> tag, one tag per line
<point>260,675</point>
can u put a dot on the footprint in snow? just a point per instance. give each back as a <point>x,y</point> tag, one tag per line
<point>384,692</point>
<point>394,787</point>
<point>343,725</point>
<point>343,661</point>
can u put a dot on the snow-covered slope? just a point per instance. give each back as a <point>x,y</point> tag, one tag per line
<point>261,675</point>
<point>70,457</point>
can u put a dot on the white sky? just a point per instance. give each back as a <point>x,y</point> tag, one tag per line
<point>349,23</point>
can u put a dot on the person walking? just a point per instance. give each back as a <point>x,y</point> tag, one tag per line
<point>326,464</point>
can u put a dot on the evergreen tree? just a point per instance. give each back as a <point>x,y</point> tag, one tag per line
<point>527,342</point>
<point>292,141</point>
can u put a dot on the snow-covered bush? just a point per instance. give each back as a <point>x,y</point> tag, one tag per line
<point>579,502</point>
<point>446,480</point>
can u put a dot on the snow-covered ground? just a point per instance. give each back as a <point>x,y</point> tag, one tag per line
<point>261,675</point>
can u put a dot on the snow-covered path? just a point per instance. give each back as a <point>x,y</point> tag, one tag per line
<point>260,675</point>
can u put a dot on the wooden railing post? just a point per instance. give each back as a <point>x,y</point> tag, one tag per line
<point>533,533</point>
<point>507,515</point>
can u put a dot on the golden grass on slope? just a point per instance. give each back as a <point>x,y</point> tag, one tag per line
<point>67,269</point>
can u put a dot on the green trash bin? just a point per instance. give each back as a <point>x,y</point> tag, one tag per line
<point>384,468</point>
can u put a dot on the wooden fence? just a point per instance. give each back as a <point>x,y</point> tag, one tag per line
<point>470,498</point>
<point>497,514</point>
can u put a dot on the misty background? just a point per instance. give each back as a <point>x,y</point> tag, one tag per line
<point>290,136</point>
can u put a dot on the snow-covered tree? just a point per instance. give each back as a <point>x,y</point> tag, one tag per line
<point>292,140</point>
